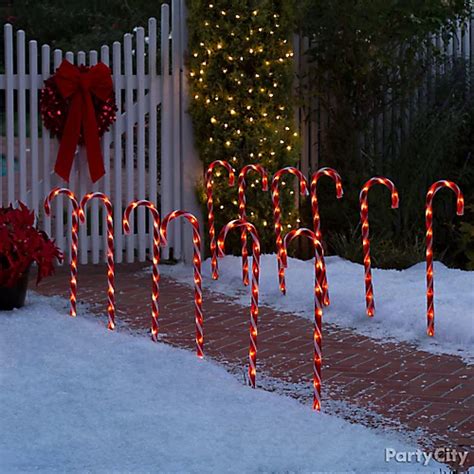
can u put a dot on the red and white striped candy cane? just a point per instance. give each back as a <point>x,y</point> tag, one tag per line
<point>334,175</point>
<point>74,239</point>
<point>254,298</point>
<point>197,272</point>
<point>155,292</point>
<point>110,250</point>
<point>364,218</point>
<point>210,210</point>
<point>277,216</point>
<point>318,308</point>
<point>435,187</point>
<point>242,212</point>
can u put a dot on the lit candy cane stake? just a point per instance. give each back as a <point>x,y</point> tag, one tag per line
<point>74,238</point>
<point>197,271</point>
<point>254,298</point>
<point>364,218</point>
<point>429,243</point>
<point>317,220</point>
<point>242,212</point>
<point>318,308</point>
<point>277,216</point>
<point>110,250</point>
<point>155,295</point>
<point>210,211</point>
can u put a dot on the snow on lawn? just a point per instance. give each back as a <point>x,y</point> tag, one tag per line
<point>400,299</point>
<point>76,397</point>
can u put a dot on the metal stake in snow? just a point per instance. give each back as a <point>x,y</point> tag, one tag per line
<point>318,307</point>
<point>155,294</point>
<point>317,220</point>
<point>197,271</point>
<point>242,212</point>
<point>74,239</point>
<point>364,218</point>
<point>254,298</point>
<point>435,187</point>
<point>210,210</point>
<point>277,216</point>
<point>110,250</point>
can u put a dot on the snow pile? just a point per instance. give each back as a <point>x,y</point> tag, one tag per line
<point>400,299</point>
<point>75,397</point>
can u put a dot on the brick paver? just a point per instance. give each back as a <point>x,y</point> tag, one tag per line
<point>389,384</point>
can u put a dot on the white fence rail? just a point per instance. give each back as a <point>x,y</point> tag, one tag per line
<point>149,80</point>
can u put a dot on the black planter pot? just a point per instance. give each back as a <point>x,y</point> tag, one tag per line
<point>14,297</point>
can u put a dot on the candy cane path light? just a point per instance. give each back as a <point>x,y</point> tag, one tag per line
<point>197,271</point>
<point>435,187</point>
<point>334,175</point>
<point>210,210</point>
<point>254,298</point>
<point>74,239</point>
<point>318,307</point>
<point>110,250</point>
<point>155,295</point>
<point>242,212</point>
<point>364,218</point>
<point>277,216</point>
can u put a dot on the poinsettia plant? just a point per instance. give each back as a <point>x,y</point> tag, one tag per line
<point>21,244</point>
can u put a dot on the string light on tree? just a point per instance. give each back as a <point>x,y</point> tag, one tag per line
<point>241,79</point>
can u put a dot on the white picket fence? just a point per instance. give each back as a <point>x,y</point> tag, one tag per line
<point>130,149</point>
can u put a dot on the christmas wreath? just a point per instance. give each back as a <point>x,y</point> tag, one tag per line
<point>77,105</point>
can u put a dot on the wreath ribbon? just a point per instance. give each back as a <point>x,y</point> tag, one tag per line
<point>78,86</point>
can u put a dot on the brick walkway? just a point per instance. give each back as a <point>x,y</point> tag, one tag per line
<point>431,397</point>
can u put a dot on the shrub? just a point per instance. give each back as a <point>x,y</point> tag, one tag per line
<point>242,105</point>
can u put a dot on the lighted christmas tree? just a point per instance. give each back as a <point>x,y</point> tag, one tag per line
<point>241,76</point>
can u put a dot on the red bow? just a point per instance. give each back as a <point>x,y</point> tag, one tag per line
<point>78,86</point>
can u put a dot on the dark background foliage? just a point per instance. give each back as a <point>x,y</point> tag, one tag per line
<point>371,62</point>
<point>79,25</point>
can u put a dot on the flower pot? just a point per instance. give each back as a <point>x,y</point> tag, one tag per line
<point>15,296</point>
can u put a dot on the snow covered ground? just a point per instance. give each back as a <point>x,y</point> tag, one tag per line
<point>400,299</point>
<point>75,397</point>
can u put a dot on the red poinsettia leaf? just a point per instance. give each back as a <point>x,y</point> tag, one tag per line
<point>21,244</point>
